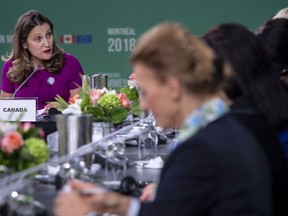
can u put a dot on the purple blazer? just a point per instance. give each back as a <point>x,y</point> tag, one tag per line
<point>45,85</point>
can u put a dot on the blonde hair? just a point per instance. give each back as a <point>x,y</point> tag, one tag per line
<point>21,58</point>
<point>283,13</point>
<point>170,50</point>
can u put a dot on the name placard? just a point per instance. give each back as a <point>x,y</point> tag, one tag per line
<point>18,109</point>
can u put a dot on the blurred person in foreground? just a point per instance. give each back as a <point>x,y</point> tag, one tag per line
<point>34,50</point>
<point>258,98</point>
<point>217,167</point>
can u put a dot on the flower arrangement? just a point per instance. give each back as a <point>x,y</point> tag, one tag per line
<point>22,146</point>
<point>132,93</point>
<point>105,105</point>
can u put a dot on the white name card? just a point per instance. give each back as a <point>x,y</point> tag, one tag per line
<point>18,109</point>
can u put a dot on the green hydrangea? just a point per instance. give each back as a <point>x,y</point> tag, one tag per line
<point>37,149</point>
<point>109,101</point>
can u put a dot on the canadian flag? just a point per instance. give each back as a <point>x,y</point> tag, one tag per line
<point>67,39</point>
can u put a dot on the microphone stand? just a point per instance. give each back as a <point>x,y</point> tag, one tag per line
<point>25,81</point>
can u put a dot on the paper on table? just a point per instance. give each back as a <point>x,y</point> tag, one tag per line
<point>41,112</point>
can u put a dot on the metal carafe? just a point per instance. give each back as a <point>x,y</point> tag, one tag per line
<point>74,131</point>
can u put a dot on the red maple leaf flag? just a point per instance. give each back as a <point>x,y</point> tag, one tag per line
<point>67,39</point>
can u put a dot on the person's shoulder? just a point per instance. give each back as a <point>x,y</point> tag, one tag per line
<point>72,64</point>
<point>225,130</point>
<point>223,122</point>
<point>8,64</point>
<point>70,58</point>
<point>226,127</point>
<point>214,129</point>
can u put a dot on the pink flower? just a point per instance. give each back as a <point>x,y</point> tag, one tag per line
<point>26,126</point>
<point>124,100</point>
<point>11,141</point>
<point>42,133</point>
<point>132,76</point>
<point>95,95</point>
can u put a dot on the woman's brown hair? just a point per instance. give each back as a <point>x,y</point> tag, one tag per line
<point>170,50</point>
<point>21,58</point>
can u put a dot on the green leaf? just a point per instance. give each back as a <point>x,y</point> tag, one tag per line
<point>4,160</point>
<point>61,101</point>
<point>118,114</point>
<point>95,111</point>
<point>135,106</point>
<point>25,155</point>
<point>85,100</point>
<point>131,94</point>
<point>33,132</point>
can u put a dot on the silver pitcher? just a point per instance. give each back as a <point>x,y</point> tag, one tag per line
<point>99,81</point>
<point>74,131</point>
<point>96,81</point>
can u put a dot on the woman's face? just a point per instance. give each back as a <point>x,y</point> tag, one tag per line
<point>156,96</point>
<point>40,43</point>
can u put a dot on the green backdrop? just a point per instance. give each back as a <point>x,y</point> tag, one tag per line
<point>106,30</point>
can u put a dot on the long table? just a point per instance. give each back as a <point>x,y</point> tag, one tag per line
<point>46,193</point>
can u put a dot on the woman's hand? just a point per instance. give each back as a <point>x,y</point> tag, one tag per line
<point>75,203</point>
<point>53,104</point>
<point>72,204</point>
<point>5,94</point>
<point>148,193</point>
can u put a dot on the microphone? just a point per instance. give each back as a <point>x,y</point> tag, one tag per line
<point>53,111</point>
<point>25,81</point>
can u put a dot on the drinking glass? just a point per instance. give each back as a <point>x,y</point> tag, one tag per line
<point>148,140</point>
<point>116,160</point>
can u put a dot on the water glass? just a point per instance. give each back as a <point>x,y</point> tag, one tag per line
<point>101,129</point>
<point>52,144</point>
<point>148,145</point>
<point>116,161</point>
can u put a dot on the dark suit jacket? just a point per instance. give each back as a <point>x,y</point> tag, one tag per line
<point>247,113</point>
<point>221,170</point>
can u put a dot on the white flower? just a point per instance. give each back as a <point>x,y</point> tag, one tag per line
<point>73,108</point>
<point>106,91</point>
<point>132,84</point>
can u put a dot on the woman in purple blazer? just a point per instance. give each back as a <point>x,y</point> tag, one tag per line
<point>37,67</point>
